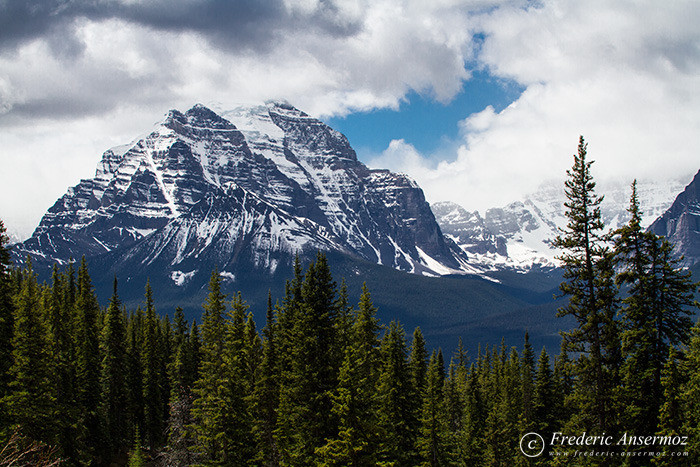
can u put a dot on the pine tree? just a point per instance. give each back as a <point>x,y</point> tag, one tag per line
<point>177,368</point>
<point>237,442</point>
<point>30,402</point>
<point>454,392</point>
<point>305,419</point>
<point>134,377</point>
<point>395,411</point>
<point>432,443</point>
<point>527,384</point>
<point>471,437</point>
<point>266,393</point>
<point>114,370</point>
<point>354,401</point>
<point>153,426</point>
<point>655,314</point>
<point>588,283</point>
<point>691,395</point>
<point>87,366</point>
<point>209,388</point>
<point>60,322</point>
<point>137,458</point>
<point>194,355</point>
<point>671,416</point>
<point>181,447</point>
<point>544,398</point>
<point>6,321</point>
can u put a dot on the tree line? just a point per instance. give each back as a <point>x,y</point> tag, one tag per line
<point>324,383</point>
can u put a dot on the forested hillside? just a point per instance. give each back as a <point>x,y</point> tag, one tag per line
<point>323,382</point>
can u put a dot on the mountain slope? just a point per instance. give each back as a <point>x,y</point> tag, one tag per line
<point>197,189</point>
<point>681,223</point>
<point>517,236</point>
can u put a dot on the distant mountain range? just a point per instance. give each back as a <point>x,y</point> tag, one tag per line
<point>200,191</point>
<point>681,223</point>
<point>248,189</point>
<point>517,236</point>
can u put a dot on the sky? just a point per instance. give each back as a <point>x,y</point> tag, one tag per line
<point>480,101</point>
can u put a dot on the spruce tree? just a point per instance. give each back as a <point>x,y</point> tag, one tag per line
<point>30,402</point>
<point>655,314</point>
<point>432,443</point>
<point>177,367</point>
<point>544,398</point>
<point>588,274</point>
<point>87,367</point>
<point>153,426</point>
<point>691,395</point>
<point>60,333</point>
<point>527,384</point>
<point>471,438</point>
<point>266,393</point>
<point>114,373</point>
<point>236,438</point>
<point>305,418</point>
<point>134,377</point>
<point>209,388</point>
<point>6,320</point>
<point>395,410</point>
<point>355,401</point>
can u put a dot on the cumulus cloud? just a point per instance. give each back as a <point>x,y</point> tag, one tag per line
<point>77,77</point>
<point>623,75</point>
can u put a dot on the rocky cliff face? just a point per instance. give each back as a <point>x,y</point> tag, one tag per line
<point>518,236</point>
<point>247,188</point>
<point>681,223</point>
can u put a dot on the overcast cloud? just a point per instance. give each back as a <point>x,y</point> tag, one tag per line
<point>78,77</point>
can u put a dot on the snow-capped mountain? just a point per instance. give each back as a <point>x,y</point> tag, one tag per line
<point>518,236</point>
<point>681,223</point>
<point>247,188</point>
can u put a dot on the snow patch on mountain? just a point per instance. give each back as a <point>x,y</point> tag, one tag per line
<point>518,236</point>
<point>251,186</point>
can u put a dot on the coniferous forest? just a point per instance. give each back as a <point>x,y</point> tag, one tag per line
<point>322,382</point>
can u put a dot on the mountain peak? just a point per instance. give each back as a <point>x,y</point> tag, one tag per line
<point>681,223</point>
<point>248,188</point>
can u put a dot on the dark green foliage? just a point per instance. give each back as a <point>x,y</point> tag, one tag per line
<point>354,401</point>
<point>137,458</point>
<point>60,331</point>
<point>527,384</point>
<point>318,387</point>
<point>588,275</point>
<point>266,393</point>
<point>6,319</point>
<point>30,403</point>
<point>134,377</point>
<point>114,372</point>
<point>395,411</point>
<point>305,416</point>
<point>6,329</point>
<point>655,314</point>
<point>87,366</point>
<point>545,397</point>
<point>690,395</point>
<point>209,391</point>
<point>432,444</point>
<point>152,367</point>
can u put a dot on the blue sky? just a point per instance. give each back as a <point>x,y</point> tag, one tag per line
<point>430,126</point>
<point>481,102</point>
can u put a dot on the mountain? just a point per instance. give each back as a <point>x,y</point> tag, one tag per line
<point>681,223</point>
<point>517,236</point>
<point>246,190</point>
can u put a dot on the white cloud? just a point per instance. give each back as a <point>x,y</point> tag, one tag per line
<point>624,75</point>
